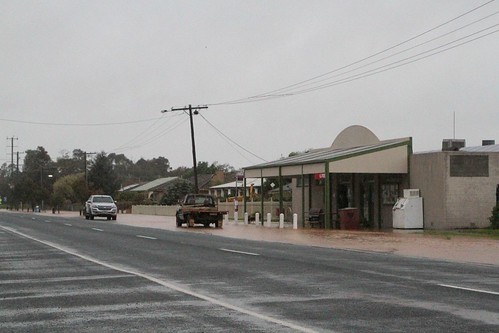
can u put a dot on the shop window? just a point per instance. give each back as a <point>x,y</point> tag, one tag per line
<point>389,194</point>
<point>303,179</point>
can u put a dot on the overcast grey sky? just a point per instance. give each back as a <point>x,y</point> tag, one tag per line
<point>94,75</point>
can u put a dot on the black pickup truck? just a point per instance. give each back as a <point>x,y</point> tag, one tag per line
<point>199,209</point>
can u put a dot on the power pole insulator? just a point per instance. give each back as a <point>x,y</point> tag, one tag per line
<point>191,110</point>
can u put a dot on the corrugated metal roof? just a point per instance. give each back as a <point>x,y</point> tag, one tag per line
<point>481,149</point>
<point>129,187</point>
<point>428,152</point>
<point>328,154</point>
<point>154,184</point>
<point>257,182</point>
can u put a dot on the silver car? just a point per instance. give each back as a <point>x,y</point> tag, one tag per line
<point>101,206</point>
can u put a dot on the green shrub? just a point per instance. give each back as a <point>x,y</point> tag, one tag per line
<point>494,219</point>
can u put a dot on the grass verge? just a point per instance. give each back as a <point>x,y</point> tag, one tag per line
<point>488,233</point>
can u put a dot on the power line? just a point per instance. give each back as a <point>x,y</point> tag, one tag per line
<point>282,92</point>
<point>394,46</point>
<point>78,124</point>
<point>401,52</point>
<point>150,134</point>
<point>402,62</point>
<point>368,73</point>
<point>235,143</point>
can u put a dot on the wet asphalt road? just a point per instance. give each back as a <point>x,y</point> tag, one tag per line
<point>68,274</point>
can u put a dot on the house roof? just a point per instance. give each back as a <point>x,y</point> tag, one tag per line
<point>155,184</point>
<point>474,149</point>
<point>285,188</point>
<point>481,149</point>
<point>203,180</point>
<point>129,187</point>
<point>257,182</point>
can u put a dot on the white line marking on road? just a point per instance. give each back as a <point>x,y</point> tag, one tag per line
<point>69,225</point>
<point>146,237</point>
<point>469,289</point>
<point>67,279</point>
<point>171,285</point>
<point>97,229</point>
<point>47,221</point>
<point>240,252</point>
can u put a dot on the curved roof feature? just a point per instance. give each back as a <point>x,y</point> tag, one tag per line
<point>354,136</point>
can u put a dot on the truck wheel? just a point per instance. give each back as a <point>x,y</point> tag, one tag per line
<point>187,219</point>
<point>91,217</point>
<point>206,224</point>
<point>218,224</point>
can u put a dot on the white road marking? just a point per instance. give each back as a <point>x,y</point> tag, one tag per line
<point>66,279</point>
<point>69,225</point>
<point>146,237</point>
<point>47,221</point>
<point>170,285</point>
<point>469,289</point>
<point>97,229</point>
<point>240,252</point>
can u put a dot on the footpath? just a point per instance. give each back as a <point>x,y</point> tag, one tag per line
<point>406,243</point>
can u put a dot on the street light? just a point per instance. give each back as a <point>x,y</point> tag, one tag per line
<point>85,167</point>
<point>41,182</point>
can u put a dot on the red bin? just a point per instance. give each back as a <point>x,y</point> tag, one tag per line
<point>349,219</point>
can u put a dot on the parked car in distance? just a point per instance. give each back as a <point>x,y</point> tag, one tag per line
<point>101,206</point>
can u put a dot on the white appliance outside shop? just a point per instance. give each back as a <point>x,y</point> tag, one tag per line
<point>408,211</point>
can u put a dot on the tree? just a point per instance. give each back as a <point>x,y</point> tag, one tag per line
<point>69,165</point>
<point>494,218</point>
<point>25,191</point>
<point>123,168</point>
<point>101,176</point>
<point>127,199</point>
<point>147,170</point>
<point>69,188</point>
<point>5,183</point>
<point>226,168</point>
<point>206,169</point>
<point>180,172</point>
<point>161,166</point>
<point>36,160</point>
<point>176,192</point>
<point>38,166</point>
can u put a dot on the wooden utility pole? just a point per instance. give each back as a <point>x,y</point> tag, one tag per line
<point>195,164</point>
<point>12,155</point>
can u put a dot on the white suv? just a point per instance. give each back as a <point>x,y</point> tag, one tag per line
<point>100,205</point>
